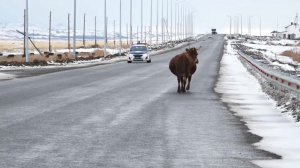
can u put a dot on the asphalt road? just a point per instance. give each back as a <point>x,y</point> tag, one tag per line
<point>123,115</point>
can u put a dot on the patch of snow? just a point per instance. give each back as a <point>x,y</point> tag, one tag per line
<point>285,67</point>
<point>274,49</point>
<point>4,76</point>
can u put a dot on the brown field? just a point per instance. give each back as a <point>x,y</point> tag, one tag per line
<point>13,46</point>
<point>295,56</point>
<point>31,58</point>
<point>97,53</point>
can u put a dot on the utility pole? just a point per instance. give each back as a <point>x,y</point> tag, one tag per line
<point>84,31</point>
<point>137,35</point>
<point>151,26</point>
<point>120,45</point>
<point>230,23</point>
<point>162,22</point>
<point>157,25</point>
<point>95,31</point>
<point>234,25</point>
<point>145,34</point>
<point>250,26</point>
<point>172,21</point>
<point>237,24</point>
<point>141,21</point>
<point>167,21</point>
<point>241,25</point>
<point>26,41</point>
<point>24,32</point>
<point>74,36</point>
<point>50,48</point>
<point>105,29</point>
<point>182,23</point>
<point>178,28</point>
<point>130,23</point>
<point>260,27</point>
<point>277,27</point>
<point>69,45</point>
<point>175,20</point>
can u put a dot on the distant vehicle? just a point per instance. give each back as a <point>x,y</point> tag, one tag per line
<point>209,36</point>
<point>214,31</point>
<point>170,45</point>
<point>138,53</point>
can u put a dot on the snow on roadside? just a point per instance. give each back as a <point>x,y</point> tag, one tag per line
<point>4,76</point>
<point>111,51</point>
<point>274,49</point>
<point>285,67</point>
<point>245,97</point>
<point>273,52</point>
<point>52,64</point>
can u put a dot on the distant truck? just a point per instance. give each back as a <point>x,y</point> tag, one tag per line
<point>214,31</point>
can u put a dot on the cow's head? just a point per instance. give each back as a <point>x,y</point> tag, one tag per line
<point>193,53</point>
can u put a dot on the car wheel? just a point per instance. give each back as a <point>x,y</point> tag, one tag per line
<point>149,61</point>
<point>129,61</point>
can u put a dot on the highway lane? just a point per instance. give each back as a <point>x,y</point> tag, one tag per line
<point>123,115</point>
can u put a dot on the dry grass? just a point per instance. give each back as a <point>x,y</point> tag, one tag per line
<point>17,46</point>
<point>294,55</point>
<point>11,46</point>
<point>97,53</point>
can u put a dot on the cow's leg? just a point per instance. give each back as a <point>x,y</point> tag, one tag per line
<point>189,85</point>
<point>178,79</point>
<point>183,84</point>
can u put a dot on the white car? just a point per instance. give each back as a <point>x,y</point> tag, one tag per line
<point>209,36</point>
<point>139,53</point>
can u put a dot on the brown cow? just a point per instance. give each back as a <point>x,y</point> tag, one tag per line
<point>184,66</point>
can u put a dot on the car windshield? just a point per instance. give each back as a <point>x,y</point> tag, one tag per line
<point>138,48</point>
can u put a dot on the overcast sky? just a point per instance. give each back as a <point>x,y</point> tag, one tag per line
<point>210,13</point>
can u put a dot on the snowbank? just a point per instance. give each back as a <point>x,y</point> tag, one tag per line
<point>245,97</point>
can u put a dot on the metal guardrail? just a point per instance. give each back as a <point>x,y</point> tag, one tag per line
<point>284,80</point>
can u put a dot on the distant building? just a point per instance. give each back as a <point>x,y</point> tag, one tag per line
<point>292,31</point>
<point>274,33</point>
<point>282,35</point>
<point>214,31</point>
